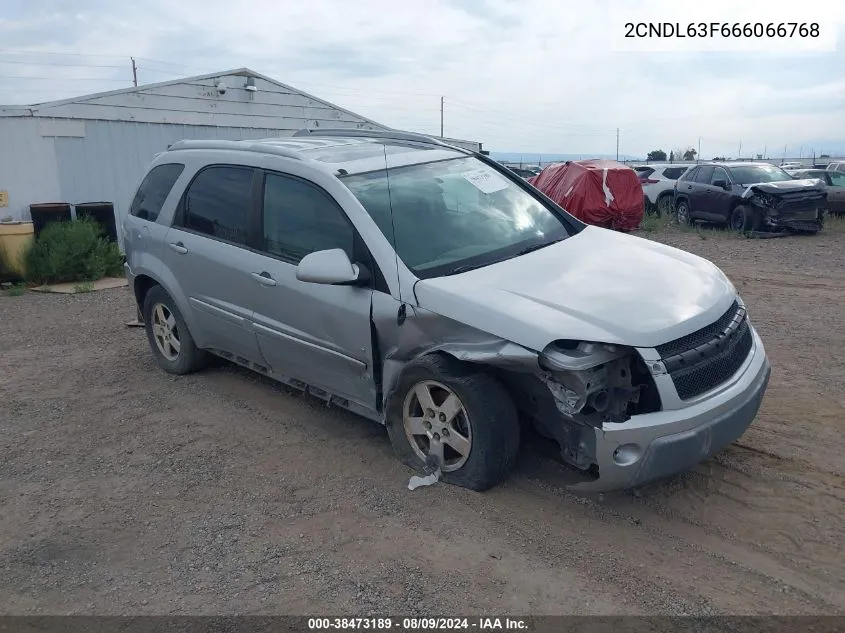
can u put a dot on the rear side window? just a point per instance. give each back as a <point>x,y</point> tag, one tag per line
<point>704,174</point>
<point>300,218</point>
<point>218,202</point>
<point>673,173</point>
<point>689,175</point>
<point>153,191</point>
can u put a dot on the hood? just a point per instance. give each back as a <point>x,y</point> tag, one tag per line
<point>598,285</point>
<point>805,185</point>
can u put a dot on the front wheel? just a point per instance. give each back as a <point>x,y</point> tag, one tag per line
<point>449,415</point>
<point>744,219</point>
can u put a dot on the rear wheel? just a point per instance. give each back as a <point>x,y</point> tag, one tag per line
<point>664,205</point>
<point>170,341</point>
<point>449,415</point>
<point>682,213</point>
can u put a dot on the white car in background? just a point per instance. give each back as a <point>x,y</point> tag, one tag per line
<point>788,166</point>
<point>658,181</point>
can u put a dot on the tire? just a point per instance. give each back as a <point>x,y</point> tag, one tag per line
<point>664,205</point>
<point>682,213</point>
<point>743,219</point>
<point>487,418</point>
<point>159,307</point>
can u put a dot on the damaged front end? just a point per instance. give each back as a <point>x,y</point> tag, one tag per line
<point>582,387</point>
<point>795,206</point>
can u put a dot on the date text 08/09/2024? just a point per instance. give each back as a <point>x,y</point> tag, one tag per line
<point>772,30</point>
<point>402,625</point>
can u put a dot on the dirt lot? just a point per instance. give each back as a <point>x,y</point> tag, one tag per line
<point>127,491</point>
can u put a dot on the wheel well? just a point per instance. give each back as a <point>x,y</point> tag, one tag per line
<point>143,284</point>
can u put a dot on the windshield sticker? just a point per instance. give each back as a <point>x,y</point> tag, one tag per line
<point>486,181</point>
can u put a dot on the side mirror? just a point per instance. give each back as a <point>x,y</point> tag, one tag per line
<point>721,183</point>
<point>331,267</point>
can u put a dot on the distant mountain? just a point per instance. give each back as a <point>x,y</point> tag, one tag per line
<point>533,159</point>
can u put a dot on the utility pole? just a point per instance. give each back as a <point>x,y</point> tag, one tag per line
<point>134,73</point>
<point>698,156</point>
<point>617,144</point>
<point>739,152</point>
<point>801,152</point>
<point>441,116</point>
<point>765,156</point>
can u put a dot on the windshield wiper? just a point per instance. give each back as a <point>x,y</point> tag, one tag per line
<point>467,267</point>
<point>457,270</point>
<point>536,247</point>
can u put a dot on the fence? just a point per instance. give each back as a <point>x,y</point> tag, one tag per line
<point>805,162</point>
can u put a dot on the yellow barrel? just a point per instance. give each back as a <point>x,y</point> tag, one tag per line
<point>14,238</point>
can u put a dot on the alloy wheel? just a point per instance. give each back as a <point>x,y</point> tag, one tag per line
<point>166,332</point>
<point>437,425</point>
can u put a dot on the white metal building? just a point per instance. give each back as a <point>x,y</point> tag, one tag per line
<point>95,147</point>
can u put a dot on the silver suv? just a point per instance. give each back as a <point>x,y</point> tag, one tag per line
<point>434,291</point>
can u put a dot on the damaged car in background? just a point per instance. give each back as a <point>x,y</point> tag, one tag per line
<point>750,197</point>
<point>434,291</point>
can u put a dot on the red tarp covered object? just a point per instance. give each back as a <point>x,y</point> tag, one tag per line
<point>600,192</point>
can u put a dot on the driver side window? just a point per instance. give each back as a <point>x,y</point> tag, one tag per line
<point>299,219</point>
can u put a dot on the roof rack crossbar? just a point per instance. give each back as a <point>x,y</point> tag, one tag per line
<point>243,146</point>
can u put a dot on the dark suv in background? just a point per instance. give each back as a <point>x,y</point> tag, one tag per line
<point>750,197</point>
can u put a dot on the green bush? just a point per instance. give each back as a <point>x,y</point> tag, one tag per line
<point>72,251</point>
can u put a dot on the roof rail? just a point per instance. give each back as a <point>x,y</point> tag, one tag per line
<point>394,135</point>
<point>242,146</point>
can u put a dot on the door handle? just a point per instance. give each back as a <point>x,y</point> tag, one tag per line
<point>178,247</point>
<point>264,278</point>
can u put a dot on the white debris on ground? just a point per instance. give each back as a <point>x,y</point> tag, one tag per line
<point>416,481</point>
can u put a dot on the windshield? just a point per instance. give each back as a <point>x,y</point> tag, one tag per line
<point>753,174</point>
<point>453,215</point>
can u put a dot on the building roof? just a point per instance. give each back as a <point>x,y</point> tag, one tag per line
<point>43,109</point>
<point>165,102</point>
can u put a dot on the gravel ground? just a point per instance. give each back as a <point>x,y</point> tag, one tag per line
<point>127,491</point>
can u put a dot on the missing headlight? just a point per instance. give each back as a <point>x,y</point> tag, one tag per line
<point>594,383</point>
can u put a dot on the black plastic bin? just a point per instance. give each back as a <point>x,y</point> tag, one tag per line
<point>44,213</point>
<point>102,213</point>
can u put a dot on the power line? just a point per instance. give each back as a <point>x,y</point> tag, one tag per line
<point>23,52</point>
<point>5,61</point>
<point>65,78</point>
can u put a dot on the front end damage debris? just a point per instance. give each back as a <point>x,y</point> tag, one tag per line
<point>796,210</point>
<point>569,390</point>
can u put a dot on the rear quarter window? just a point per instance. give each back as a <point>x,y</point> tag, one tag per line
<point>154,190</point>
<point>673,173</point>
<point>689,175</point>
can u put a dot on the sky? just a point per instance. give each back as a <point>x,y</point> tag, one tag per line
<point>518,75</point>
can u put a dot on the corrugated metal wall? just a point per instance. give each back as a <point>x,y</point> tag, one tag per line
<point>27,167</point>
<point>107,163</point>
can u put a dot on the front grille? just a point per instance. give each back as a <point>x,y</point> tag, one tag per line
<point>708,357</point>
<point>800,200</point>
<point>693,381</point>
<point>698,337</point>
